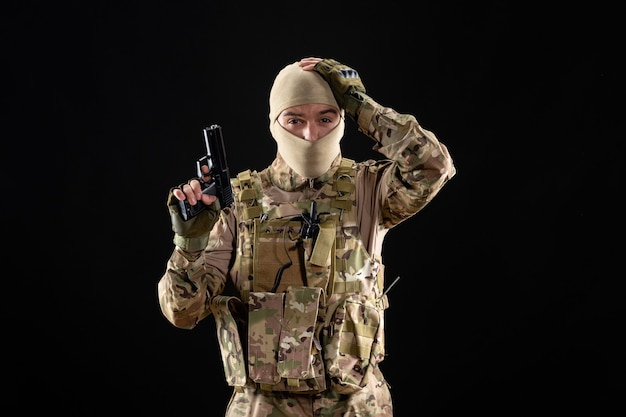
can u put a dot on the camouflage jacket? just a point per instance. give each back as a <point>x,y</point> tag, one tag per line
<point>358,202</point>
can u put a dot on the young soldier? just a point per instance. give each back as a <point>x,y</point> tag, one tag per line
<point>303,334</point>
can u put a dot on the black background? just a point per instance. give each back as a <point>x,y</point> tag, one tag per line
<point>511,282</point>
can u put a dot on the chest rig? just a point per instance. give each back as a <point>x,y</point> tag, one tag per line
<point>309,290</point>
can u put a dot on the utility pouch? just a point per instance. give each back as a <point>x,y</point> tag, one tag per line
<point>354,343</point>
<point>228,337</point>
<point>276,251</point>
<point>284,354</point>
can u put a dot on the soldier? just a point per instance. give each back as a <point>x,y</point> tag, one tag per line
<point>303,332</point>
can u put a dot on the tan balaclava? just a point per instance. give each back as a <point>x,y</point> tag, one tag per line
<point>294,86</point>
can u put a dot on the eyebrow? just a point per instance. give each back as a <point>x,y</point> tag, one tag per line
<point>291,113</point>
<point>326,111</point>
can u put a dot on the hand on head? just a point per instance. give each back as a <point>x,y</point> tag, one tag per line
<point>308,64</point>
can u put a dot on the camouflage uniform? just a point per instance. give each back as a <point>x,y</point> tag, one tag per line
<point>309,343</point>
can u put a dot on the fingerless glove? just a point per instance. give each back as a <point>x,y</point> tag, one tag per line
<point>193,234</point>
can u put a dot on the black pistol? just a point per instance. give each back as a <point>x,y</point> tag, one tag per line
<point>219,184</point>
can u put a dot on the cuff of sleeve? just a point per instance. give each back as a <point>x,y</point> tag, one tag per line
<point>366,112</point>
<point>182,260</point>
<point>191,244</point>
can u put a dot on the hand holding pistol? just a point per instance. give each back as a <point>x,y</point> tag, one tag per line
<point>218,183</point>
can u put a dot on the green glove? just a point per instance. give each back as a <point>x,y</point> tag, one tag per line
<point>345,83</point>
<point>193,234</point>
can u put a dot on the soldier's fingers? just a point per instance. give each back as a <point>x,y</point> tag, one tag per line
<point>205,170</point>
<point>206,173</point>
<point>188,194</point>
<point>308,64</point>
<point>208,199</point>
<point>193,190</point>
<point>179,194</point>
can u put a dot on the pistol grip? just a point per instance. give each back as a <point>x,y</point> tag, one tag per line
<point>187,211</point>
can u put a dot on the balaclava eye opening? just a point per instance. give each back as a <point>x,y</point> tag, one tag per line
<point>294,86</point>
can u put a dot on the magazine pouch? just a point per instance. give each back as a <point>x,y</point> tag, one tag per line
<point>284,354</point>
<point>354,343</point>
<point>299,361</point>
<point>264,326</point>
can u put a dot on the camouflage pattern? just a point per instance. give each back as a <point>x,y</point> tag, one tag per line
<point>228,337</point>
<point>294,347</point>
<point>354,340</point>
<point>264,326</point>
<point>374,400</point>
<point>299,356</point>
<point>422,165</point>
<point>348,268</point>
<point>284,354</point>
<point>350,280</point>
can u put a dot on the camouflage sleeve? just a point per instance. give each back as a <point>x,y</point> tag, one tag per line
<point>192,278</point>
<point>420,164</point>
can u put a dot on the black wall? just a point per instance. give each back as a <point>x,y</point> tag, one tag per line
<point>511,291</point>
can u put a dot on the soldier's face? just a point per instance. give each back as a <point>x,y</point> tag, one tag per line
<point>310,121</point>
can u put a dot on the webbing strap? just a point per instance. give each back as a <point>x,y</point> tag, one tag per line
<point>324,243</point>
<point>341,204</point>
<point>252,212</point>
<point>347,286</point>
<point>248,195</point>
<point>245,178</point>
<point>344,185</point>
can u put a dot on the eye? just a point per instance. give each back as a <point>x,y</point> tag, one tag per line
<point>294,121</point>
<point>326,120</point>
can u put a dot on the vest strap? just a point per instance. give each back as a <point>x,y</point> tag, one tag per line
<point>341,204</point>
<point>252,212</point>
<point>324,243</point>
<point>340,287</point>
<point>247,194</point>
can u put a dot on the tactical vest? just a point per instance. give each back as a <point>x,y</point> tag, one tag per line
<point>312,309</point>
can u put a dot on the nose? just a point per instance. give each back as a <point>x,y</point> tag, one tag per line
<point>311,132</point>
